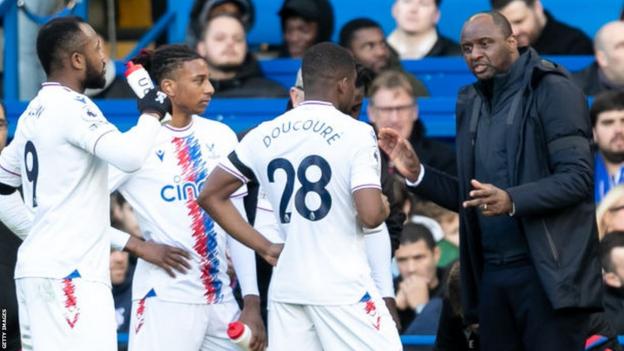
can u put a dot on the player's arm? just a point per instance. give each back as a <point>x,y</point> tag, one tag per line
<point>13,211</point>
<point>244,262</point>
<point>378,252</point>
<point>215,199</point>
<point>164,256</point>
<point>371,208</point>
<point>126,151</point>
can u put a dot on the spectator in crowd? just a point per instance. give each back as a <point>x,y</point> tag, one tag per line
<point>449,224</point>
<point>203,10</point>
<point>612,257</point>
<point>607,71</point>
<point>610,212</point>
<point>393,104</point>
<point>416,35</point>
<point>452,333</point>
<point>421,281</point>
<point>234,72</point>
<point>607,118</point>
<point>9,243</point>
<point>534,26</point>
<point>305,23</point>
<point>527,223</point>
<point>365,39</point>
<point>121,271</point>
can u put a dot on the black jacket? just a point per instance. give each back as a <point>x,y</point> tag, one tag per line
<point>436,154</point>
<point>444,47</point>
<point>558,38</point>
<point>590,80</point>
<point>248,82</point>
<point>551,172</point>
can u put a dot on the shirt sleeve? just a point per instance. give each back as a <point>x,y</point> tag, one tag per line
<point>239,162</point>
<point>86,125</point>
<point>366,166</point>
<point>10,162</point>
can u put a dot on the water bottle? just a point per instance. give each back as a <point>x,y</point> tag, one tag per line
<point>139,79</point>
<point>240,334</point>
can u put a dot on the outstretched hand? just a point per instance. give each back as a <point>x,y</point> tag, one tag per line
<point>400,152</point>
<point>492,201</point>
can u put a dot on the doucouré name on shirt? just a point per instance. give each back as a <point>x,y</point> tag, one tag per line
<point>325,130</point>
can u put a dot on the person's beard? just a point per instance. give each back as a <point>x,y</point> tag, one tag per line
<point>95,79</point>
<point>613,157</point>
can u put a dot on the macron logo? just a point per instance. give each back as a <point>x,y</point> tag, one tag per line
<point>160,154</point>
<point>160,97</point>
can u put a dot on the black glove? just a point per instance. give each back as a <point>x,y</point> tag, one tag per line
<point>155,101</point>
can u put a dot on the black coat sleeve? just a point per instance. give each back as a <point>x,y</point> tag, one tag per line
<point>564,116</point>
<point>439,187</point>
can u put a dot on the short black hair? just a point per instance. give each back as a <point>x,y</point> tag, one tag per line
<point>606,101</point>
<point>499,4</point>
<point>347,32</point>
<point>59,36</point>
<point>609,242</point>
<point>415,232</point>
<point>325,62</point>
<point>161,62</point>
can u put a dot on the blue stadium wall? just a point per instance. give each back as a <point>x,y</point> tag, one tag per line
<point>587,15</point>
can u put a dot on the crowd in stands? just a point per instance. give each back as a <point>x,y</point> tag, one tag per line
<point>425,236</point>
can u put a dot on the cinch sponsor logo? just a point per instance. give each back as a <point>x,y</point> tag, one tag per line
<point>181,191</point>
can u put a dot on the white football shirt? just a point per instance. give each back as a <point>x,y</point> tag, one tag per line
<point>52,158</point>
<point>309,161</point>
<point>163,194</point>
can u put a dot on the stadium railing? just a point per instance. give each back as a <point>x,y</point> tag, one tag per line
<point>437,113</point>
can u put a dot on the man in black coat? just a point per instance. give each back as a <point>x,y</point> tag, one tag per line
<point>607,72</point>
<point>536,27</point>
<point>530,273</point>
<point>234,72</point>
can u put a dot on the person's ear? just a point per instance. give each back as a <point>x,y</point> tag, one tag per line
<point>601,58</point>
<point>436,254</point>
<point>201,49</point>
<point>78,61</point>
<point>168,86</point>
<point>612,280</point>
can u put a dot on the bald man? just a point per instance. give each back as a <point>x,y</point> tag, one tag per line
<point>607,72</point>
<point>529,270</point>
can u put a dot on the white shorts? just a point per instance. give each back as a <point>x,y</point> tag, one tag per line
<point>66,314</point>
<point>366,325</point>
<point>162,325</point>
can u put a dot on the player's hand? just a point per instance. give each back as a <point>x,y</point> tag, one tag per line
<point>492,201</point>
<point>400,152</point>
<point>394,313</point>
<point>272,253</point>
<point>166,257</point>
<point>155,102</point>
<point>250,315</point>
<point>416,290</point>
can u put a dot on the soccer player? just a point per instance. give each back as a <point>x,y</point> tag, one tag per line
<point>59,156</point>
<point>188,312</point>
<point>320,169</point>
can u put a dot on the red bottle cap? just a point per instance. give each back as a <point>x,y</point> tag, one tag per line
<point>235,330</point>
<point>131,67</point>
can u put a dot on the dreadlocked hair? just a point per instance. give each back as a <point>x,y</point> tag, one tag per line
<point>163,61</point>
